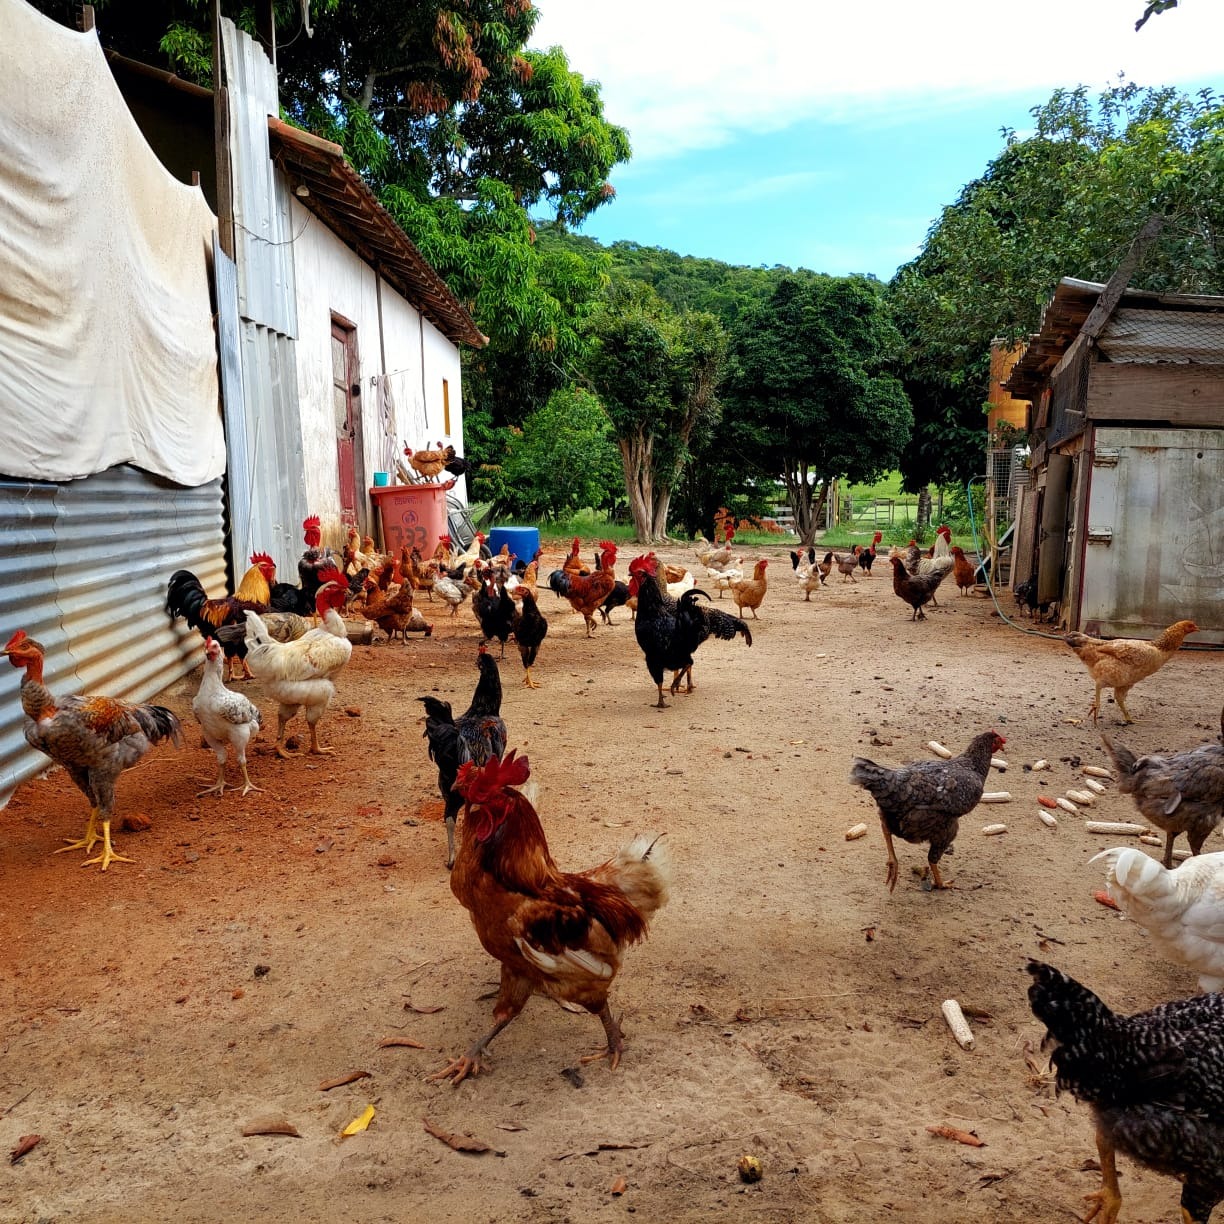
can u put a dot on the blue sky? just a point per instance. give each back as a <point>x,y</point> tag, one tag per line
<point>829,135</point>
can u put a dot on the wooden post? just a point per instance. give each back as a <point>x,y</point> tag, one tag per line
<point>85,19</point>
<point>221,141</point>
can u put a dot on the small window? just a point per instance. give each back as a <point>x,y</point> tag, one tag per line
<point>446,407</point>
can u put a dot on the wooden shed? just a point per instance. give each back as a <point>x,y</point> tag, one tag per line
<point>1123,520</point>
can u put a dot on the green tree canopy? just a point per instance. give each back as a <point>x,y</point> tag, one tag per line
<point>657,373</point>
<point>1065,201</point>
<point>563,459</point>
<point>811,371</point>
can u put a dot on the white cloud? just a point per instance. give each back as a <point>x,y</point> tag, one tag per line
<point>690,74</point>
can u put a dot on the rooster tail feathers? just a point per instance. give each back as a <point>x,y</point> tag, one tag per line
<point>158,724</point>
<point>256,631</point>
<point>1135,880</point>
<point>868,774</point>
<point>185,596</point>
<point>437,709</point>
<point>641,869</point>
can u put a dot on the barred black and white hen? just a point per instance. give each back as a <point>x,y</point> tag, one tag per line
<point>1155,1082</point>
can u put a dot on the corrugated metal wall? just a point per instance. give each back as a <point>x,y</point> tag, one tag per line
<point>263,232</point>
<point>263,431</point>
<point>84,570</point>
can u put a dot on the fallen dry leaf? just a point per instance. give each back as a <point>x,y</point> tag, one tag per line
<point>619,1186</point>
<point>460,1143</point>
<point>271,1126</point>
<point>424,1011</point>
<point>388,1042</point>
<point>950,1132</point>
<point>25,1145</point>
<point>351,1078</point>
<point>359,1123</point>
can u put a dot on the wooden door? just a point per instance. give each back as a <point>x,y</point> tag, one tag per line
<point>346,404</point>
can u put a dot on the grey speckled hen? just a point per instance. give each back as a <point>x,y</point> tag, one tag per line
<point>1182,793</point>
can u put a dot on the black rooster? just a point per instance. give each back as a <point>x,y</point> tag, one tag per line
<point>669,631</point>
<point>477,735</point>
<point>530,629</point>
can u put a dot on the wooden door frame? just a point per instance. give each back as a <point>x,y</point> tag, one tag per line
<point>360,496</point>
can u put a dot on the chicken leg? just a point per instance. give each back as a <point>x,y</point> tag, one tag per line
<point>892,870</point>
<point>1108,1199</point>
<point>528,681</point>
<point>91,835</point>
<point>616,1040</point>
<point>511,999</point>
<point>246,777</point>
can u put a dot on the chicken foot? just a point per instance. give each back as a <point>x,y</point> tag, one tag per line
<point>314,743</point>
<point>88,841</point>
<point>108,855</point>
<point>528,681</point>
<point>892,870</point>
<point>616,1041</point>
<point>1108,1199</point>
<point>511,999</point>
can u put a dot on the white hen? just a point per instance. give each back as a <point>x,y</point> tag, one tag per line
<point>299,673</point>
<point>225,717</point>
<point>1182,910</point>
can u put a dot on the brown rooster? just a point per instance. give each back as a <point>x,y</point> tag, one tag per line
<point>556,933</point>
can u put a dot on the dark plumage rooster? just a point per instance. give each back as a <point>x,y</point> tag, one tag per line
<point>1155,1082</point>
<point>186,597</point>
<point>476,736</point>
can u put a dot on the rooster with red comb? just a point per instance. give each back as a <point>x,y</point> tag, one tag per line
<point>556,933</point>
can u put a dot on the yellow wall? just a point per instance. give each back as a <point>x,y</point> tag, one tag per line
<point>1002,406</point>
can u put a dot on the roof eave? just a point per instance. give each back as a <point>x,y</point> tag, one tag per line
<point>344,202</point>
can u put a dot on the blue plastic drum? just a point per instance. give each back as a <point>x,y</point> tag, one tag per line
<point>522,541</point>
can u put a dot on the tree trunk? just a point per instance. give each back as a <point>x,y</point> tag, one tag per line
<point>924,506</point>
<point>662,503</point>
<point>638,486</point>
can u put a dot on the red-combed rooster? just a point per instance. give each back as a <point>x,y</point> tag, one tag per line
<point>558,934</point>
<point>94,738</point>
<point>186,597</point>
<point>587,592</point>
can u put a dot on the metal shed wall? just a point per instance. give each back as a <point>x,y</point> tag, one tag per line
<point>83,570</point>
<point>258,312</point>
<point>263,235</point>
<point>1152,546</point>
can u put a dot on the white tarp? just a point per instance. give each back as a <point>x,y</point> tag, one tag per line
<point>107,348</point>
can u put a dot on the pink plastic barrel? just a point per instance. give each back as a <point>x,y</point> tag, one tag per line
<point>412,515</point>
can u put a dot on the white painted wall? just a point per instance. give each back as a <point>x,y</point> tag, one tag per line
<point>332,279</point>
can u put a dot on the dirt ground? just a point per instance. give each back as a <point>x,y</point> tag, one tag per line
<point>785,1004</point>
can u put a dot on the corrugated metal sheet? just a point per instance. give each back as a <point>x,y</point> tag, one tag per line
<point>258,314</point>
<point>263,231</point>
<point>84,571</point>
<point>1154,547</point>
<point>276,485</point>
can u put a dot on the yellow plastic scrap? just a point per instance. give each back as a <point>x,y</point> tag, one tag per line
<point>358,1124</point>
